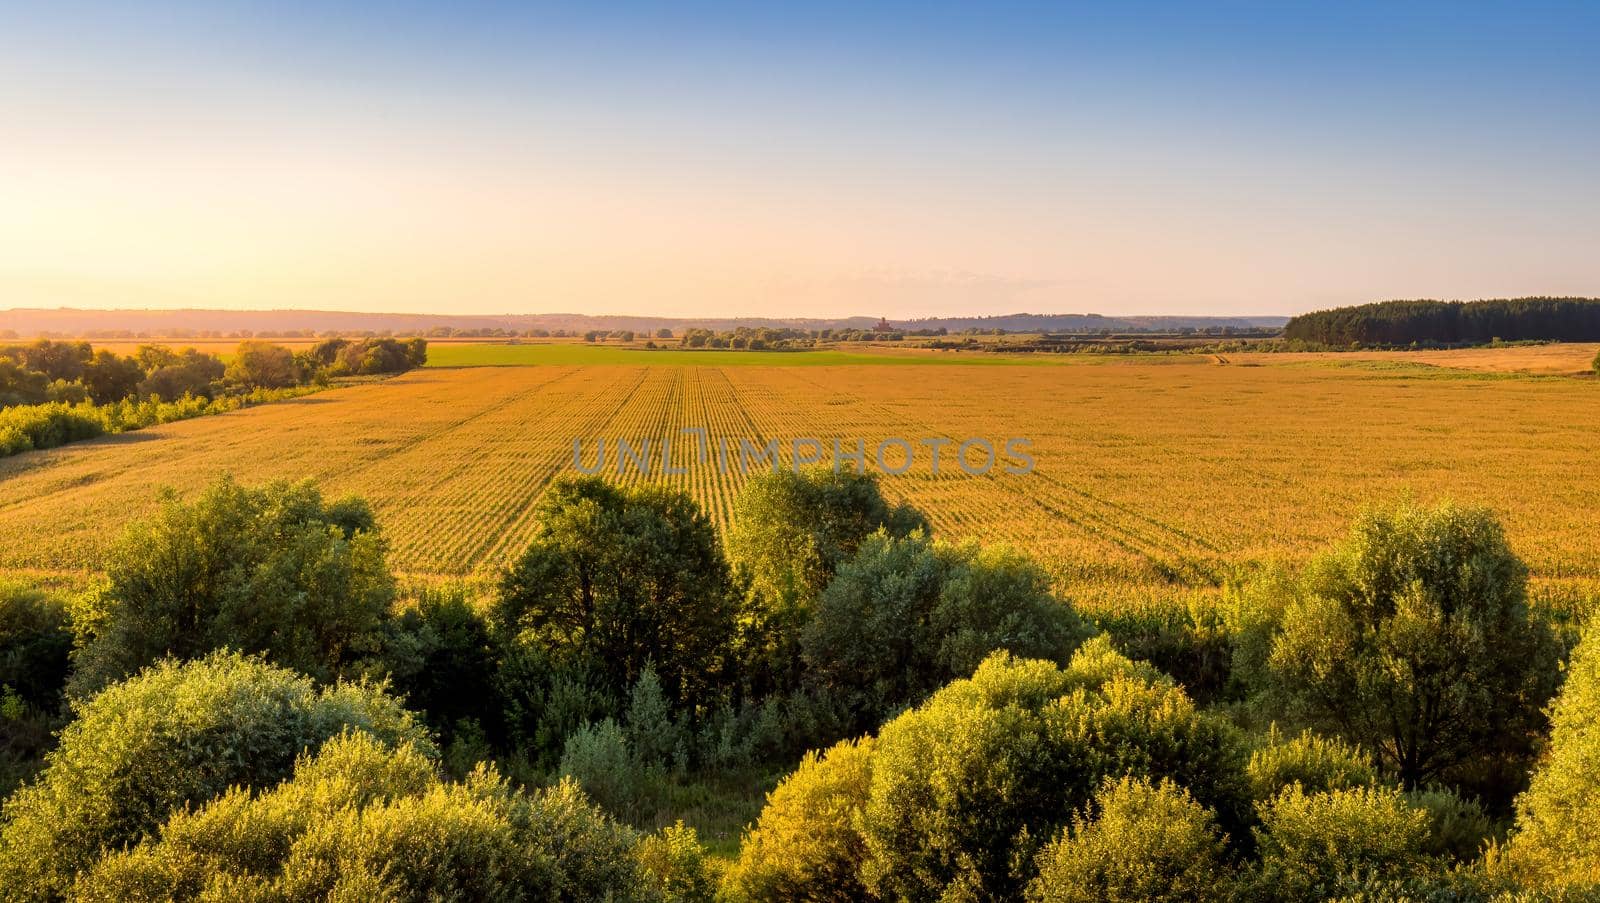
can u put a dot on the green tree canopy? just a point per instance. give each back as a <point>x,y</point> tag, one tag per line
<point>272,569</point>
<point>1556,842</point>
<point>262,365</point>
<point>1413,638</point>
<point>974,780</point>
<point>905,616</point>
<point>175,734</point>
<point>618,578</point>
<point>363,820</point>
<point>791,531</point>
<point>1145,843</point>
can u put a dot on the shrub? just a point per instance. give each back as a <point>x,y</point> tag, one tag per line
<point>905,616</point>
<point>970,783</point>
<point>621,578</point>
<point>598,758</point>
<point>1457,827</point>
<point>274,570</point>
<point>543,702</point>
<point>1146,842</point>
<point>1555,844</point>
<point>1311,844</point>
<point>806,846</point>
<point>362,821</point>
<point>174,735</point>
<point>45,426</point>
<point>1413,638</point>
<point>1312,763</point>
<point>675,864</point>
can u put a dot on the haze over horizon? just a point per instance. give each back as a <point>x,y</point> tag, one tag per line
<point>711,160</point>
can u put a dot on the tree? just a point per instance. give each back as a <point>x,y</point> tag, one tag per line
<point>967,786</point>
<point>172,376</point>
<point>905,616</point>
<point>172,736</point>
<point>364,820</point>
<point>806,846</point>
<point>63,361</point>
<point>663,333</point>
<point>273,569</point>
<point>19,385</point>
<point>34,646</point>
<point>1313,845</point>
<point>620,578</point>
<point>1145,842</point>
<point>417,351</point>
<point>372,357</point>
<point>1413,638</point>
<point>1555,843</point>
<point>110,377</point>
<point>326,352</point>
<point>262,365</point>
<point>791,531</point>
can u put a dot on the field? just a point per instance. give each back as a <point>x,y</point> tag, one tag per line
<point>1155,475</point>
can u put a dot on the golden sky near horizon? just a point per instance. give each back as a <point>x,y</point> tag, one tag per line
<point>217,158</point>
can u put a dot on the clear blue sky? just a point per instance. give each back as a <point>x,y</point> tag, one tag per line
<point>720,159</point>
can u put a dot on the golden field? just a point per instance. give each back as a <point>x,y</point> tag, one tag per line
<point>1155,476</point>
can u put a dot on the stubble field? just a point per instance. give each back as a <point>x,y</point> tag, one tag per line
<point>1154,477</point>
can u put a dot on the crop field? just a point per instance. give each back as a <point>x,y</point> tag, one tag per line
<point>1154,477</point>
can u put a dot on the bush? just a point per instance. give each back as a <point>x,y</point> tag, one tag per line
<point>905,616</point>
<point>1146,842</point>
<point>1313,844</point>
<point>620,578</point>
<point>1314,764</point>
<point>969,784</point>
<point>174,735</point>
<point>361,821</point>
<point>675,864</point>
<point>543,702</point>
<point>1413,638</point>
<point>45,426</point>
<point>274,570</point>
<point>806,846</point>
<point>1457,827</point>
<point>597,757</point>
<point>1555,844</point>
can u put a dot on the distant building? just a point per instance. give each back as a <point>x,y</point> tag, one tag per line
<point>883,326</point>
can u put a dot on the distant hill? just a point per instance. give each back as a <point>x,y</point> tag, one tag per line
<point>29,322</point>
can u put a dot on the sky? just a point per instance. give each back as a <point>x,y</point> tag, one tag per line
<point>825,159</point>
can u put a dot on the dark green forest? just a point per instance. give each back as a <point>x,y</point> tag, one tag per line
<point>828,703</point>
<point>1390,323</point>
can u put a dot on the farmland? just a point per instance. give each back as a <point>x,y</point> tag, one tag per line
<point>1155,476</point>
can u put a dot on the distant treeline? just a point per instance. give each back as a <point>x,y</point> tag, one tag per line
<point>1451,322</point>
<point>52,393</point>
